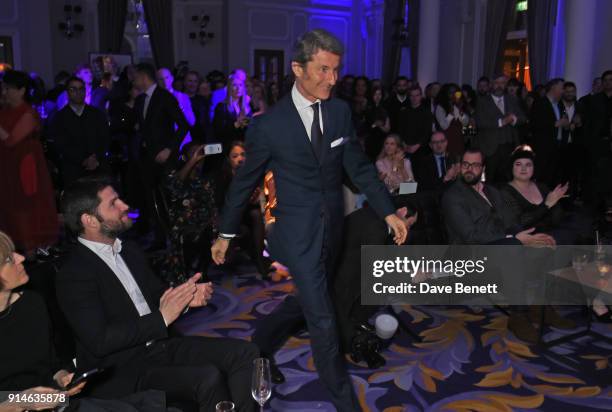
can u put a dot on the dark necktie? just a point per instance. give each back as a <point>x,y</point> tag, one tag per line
<point>316,136</point>
<point>442,166</point>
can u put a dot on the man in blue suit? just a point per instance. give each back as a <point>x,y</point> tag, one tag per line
<point>307,140</point>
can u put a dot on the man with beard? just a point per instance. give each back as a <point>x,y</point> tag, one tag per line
<point>476,214</point>
<point>397,104</point>
<point>120,313</point>
<point>498,117</point>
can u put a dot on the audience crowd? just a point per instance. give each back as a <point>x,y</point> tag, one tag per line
<point>539,163</point>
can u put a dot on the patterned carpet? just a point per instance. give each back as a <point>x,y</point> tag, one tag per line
<point>466,362</point>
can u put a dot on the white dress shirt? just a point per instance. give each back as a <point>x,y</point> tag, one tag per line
<point>78,110</point>
<point>499,102</point>
<point>148,93</point>
<point>303,106</point>
<point>110,255</point>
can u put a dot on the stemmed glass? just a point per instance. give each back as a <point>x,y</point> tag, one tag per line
<point>225,406</point>
<point>261,384</point>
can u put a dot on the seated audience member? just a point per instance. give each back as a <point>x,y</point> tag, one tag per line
<point>534,205</point>
<point>81,134</point>
<point>192,213</point>
<point>378,124</point>
<point>452,116</point>
<point>232,116</point>
<point>414,125</point>
<point>27,354</point>
<point>253,223</point>
<point>362,227</point>
<point>498,117</point>
<point>393,166</point>
<point>120,313</point>
<point>475,214</point>
<point>435,170</point>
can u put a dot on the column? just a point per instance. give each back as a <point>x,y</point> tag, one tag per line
<point>580,41</point>
<point>429,33</point>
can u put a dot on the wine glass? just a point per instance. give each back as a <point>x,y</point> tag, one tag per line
<point>225,406</point>
<point>261,384</point>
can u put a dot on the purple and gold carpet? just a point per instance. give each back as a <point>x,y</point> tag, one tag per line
<point>467,361</point>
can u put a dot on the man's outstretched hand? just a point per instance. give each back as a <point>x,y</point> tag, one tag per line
<point>218,250</point>
<point>399,228</point>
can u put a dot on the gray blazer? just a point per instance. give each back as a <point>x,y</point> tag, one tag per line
<point>490,135</point>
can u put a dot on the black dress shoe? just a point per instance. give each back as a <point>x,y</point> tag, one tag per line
<point>275,374</point>
<point>373,359</point>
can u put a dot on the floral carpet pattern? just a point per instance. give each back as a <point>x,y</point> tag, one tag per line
<point>467,360</point>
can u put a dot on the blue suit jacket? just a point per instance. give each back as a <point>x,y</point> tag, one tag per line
<point>308,190</point>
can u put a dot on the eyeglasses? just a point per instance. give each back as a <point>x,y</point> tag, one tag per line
<point>76,89</point>
<point>467,165</point>
<point>437,141</point>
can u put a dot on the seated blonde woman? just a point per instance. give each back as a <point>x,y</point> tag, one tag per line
<point>392,165</point>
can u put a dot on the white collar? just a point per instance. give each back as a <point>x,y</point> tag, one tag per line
<point>151,89</point>
<point>299,100</point>
<point>78,110</point>
<point>99,247</point>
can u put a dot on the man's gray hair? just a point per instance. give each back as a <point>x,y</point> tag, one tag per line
<point>313,41</point>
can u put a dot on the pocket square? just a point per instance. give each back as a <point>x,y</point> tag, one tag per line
<point>339,141</point>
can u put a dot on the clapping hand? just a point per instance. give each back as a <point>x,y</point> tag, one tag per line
<point>175,299</point>
<point>203,293</point>
<point>537,240</point>
<point>557,194</point>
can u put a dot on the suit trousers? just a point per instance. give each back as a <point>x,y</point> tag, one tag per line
<point>201,369</point>
<point>313,295</point>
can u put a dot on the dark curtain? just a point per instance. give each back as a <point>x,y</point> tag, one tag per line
<point>158,14</point>
<point>413,24</point>
<point>541,16</point>
<point>392,47</point>
<point>499,19</point>
<point>111,23</point>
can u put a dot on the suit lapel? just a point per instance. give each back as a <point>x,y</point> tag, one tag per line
<point>109,277</point>
<point>297,124</point>
<point>138,272</point>
<point>327,130</point>
<point>152,105</point>
<point>496,106</point>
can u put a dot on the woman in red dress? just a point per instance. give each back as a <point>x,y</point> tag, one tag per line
<point>27,210</point>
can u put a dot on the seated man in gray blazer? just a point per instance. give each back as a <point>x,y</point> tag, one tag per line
<point>498,116</point>
<point>475,214</point>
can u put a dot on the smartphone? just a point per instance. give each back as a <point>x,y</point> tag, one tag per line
<point>76,379</point>
<point>211,149</point>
